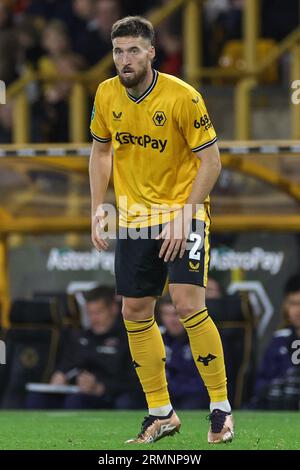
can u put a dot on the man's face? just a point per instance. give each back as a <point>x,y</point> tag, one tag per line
<point>132,58</point>
<point>101,315</point>
<point>213,289</point>
<point>170,320</point>
<point>293,308</point>
<point>83,8</point>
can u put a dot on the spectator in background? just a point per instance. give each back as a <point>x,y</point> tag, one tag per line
<point>55,104</point>
<point>6,123</point>
<point>231,20</point>
<point>8,44</point>
<point>169,56</point>
<point>213,8</point>
<point>29,47</point>
<point>20,7</point>
<point>8,68</point>
<point>56,42</point>
<point>49,9</point>
<point>6,17</point>
<point>213,289</point>
<point>84,35</point>
<point>169,52</point>
<point>91,36</point>
<point>107,13</point>
<point>84,9</point>
<point>226,26</point>
<point>186,388</point>
<point>278,379</point>
<point>136,7</point>
<point>59,60</point>
<point>97,359</point>
<point>278,19</point>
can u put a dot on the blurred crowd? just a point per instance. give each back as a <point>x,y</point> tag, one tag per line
<point>68,36</point>
<point>94,365</point>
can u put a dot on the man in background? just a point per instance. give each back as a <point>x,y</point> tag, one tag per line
<point>97,360</point>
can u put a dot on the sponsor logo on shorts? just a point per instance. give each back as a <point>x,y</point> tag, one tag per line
<point>194,267</point>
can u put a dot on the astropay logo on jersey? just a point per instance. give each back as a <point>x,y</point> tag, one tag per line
<point>142,140</point>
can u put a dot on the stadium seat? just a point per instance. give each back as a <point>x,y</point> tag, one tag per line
<point>67,305</point>
<point>232,58</point>
<point>31,347</point>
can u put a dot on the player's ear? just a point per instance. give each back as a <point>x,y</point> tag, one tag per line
<point>152,53</point>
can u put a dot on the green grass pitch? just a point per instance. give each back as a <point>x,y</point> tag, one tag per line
<point>107,430</point>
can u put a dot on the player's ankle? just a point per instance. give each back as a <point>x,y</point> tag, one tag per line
<point>161,410</point>
<point>220,405</point>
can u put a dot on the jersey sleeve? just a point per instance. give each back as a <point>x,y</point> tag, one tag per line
<point>194,122</point>
<point>98,126</point>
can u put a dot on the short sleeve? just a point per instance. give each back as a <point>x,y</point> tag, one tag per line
<point>98,126</point>
<point>194,122</point>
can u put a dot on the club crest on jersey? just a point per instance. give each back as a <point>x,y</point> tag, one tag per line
<point>159,118</point>
<point>117,116</point>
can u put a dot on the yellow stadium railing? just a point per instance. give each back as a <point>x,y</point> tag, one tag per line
<point>247,78</point>
<point>82,82</point>
<point>237,156</point>
<point>72,159</point>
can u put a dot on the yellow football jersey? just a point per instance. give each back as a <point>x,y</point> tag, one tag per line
<point>154,138</point>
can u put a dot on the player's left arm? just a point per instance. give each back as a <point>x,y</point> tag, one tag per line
<point>195,125</point>
<point>207,175</point>
<point>204,182</point>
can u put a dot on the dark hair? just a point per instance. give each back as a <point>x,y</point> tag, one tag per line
<point>292,285</point>
<point>105,293</point>
<point>135,26</point>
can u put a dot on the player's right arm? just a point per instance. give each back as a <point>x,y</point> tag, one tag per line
<point>99,171</point>
<point>100,163</point>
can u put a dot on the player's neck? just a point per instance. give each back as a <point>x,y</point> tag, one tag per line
<point>138,90</point>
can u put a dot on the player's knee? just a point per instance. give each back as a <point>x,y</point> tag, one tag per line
<point>129,313</point>
<point>135,311</point>
<point>184,308</point>
<point>187,300</point>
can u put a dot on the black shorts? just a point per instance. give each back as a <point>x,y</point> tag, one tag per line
<point>140,272</point>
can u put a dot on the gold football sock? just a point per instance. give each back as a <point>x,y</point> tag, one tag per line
<point>207,352</point>
<point>149,357</point>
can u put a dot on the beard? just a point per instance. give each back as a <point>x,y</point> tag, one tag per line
<point>134,80</point>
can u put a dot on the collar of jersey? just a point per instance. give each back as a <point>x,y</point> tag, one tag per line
<point>147,92</point>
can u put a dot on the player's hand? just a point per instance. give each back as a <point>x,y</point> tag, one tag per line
<point>98,225</point>
<point>87,382</point>
<point>58,378</point>
<point>175,235</point>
